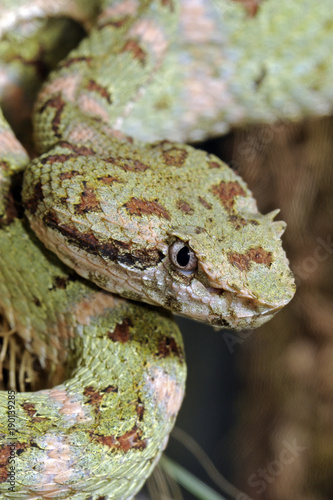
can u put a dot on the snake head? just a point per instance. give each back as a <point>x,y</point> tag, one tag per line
<point>230,280</point>
<point>166,224</point>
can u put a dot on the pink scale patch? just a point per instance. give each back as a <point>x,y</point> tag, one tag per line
<point>167,392</point>
<point>150,33</point>
<point>197,25</point>
<point>9,143</point>
<point>203,95</point>
<point>98,304</point>
<point>81,133</point>
<point>67,85</point>
<point>57,467</point>
<point>90,106</point>
<point>74,411</point>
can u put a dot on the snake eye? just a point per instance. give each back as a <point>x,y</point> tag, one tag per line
<point>182,257</point>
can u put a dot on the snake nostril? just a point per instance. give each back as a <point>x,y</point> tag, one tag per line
<point>216,291</point>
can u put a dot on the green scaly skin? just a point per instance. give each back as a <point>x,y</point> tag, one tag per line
<point>102,431</point>
<point>102,201</point>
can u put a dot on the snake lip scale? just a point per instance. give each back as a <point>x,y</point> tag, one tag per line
<point>155,222</point>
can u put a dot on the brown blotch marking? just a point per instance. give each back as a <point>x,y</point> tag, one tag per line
<point>11,210</point>
<point>51,219</point>
<point>36,301</point>
<point>121,333</point>
<point>168,3</point>
<point>251,6</point>
<point>240,261</point>
<point>109,441</point>
<point>134,166</point>
<point>20,447</point>
<point>30,409</point>
<point>124,253</point>
<point>175,156</point>
<point>137,206</point>
<point>69,175</point>
<point>260,256</point>
<point>127,164</point>
<point>85,240</point>
<point>214,164</point>
<point>111,159</point>
<point>32,203</point>
<point>108,179</point>
<point>132,439</point>
<point>140,258</point>
<point>185,207</point>
<point>114,23</point>
<point>128,441</point>
<point>94,397</point>
<point>205,203</point>
<point>74,60</point>
<point>102,91</point>
<point>5,454</point>
<point>168,346</point>
<point>243,261</point>
<point>60,158</point>
<point>237,222</point>
<point>5,165</point>
<point>60,282</point>
<point>89,201</point>
<point>140,409</point>
<point>109,389</point>
<point>199,230</point>
<point>226,192</point>
<point>58,104</point>
<point>79,150</point>
<point>137,51</point>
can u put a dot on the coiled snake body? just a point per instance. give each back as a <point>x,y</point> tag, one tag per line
<point>161,223</point>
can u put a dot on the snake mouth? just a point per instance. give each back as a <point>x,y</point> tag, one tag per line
<point>272,310</point>
<point>239,310</point>
<point>242,322</point>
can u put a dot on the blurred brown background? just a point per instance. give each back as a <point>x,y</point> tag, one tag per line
<point>262,405</point>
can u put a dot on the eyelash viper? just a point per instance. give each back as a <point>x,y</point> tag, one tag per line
<point>160,222</point>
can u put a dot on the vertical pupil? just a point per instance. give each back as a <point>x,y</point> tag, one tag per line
<point>183,257</point>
